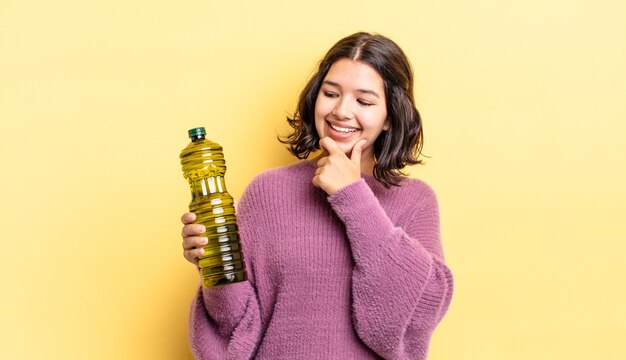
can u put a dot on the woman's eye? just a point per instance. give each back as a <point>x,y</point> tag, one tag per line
<point>364,103</point>
<point>330,94</point>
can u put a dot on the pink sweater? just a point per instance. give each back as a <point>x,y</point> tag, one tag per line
<point>356,275</point>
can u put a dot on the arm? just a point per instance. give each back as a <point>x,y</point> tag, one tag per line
<point>401,286</point>
<point>225,321</point>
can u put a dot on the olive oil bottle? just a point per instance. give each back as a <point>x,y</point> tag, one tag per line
<point>204,168</point>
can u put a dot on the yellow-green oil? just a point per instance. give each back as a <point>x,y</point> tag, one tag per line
<point>204,168</point>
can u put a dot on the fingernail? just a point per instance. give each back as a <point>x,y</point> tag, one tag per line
<point>201,228</point>
<point>204,241</point>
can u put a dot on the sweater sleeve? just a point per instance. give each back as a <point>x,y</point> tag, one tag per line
<point>400,285</point>
<point>225,321</point>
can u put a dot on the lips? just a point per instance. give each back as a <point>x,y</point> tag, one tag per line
<point>343,129</point>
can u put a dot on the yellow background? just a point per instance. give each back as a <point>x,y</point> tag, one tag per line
<point>525,119</point>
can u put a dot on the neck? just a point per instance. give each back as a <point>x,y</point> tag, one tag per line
<point>367,164</point>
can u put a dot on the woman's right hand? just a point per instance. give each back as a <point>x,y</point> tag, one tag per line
<point>192,241</point>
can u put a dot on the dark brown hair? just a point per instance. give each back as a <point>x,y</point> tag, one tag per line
<point>395,148</point>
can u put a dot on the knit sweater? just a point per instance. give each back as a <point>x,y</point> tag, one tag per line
<point>359,274</point>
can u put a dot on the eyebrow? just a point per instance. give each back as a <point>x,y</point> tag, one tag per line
<point>367,91</point>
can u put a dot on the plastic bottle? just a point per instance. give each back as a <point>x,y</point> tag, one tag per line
<point>204,168</point>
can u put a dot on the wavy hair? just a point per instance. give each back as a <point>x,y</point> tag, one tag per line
<point>395,148</point>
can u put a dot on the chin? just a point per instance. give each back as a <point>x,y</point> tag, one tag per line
<point>347,149</point>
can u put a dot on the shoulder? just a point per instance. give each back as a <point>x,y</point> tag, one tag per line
<point>280,181</point>
<point>283,175</point>
<point>274,190</point>
<point>424,194</point>
<point>411,196</point>
<point>410,189</point>
<point>417,187</point>
<point>424,198</point>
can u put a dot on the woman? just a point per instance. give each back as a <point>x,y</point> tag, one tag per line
<point>343,251</point>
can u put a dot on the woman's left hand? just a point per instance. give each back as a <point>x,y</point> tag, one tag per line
<point>336,171</point>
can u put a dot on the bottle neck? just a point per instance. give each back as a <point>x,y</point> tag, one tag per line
<point>197,138</point>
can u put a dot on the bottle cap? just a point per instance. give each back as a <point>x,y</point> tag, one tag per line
<point>196,132</point>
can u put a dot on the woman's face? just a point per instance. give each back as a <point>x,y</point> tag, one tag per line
<point>351,105</point>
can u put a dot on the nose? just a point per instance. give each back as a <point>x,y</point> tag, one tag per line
<point>342,110</point>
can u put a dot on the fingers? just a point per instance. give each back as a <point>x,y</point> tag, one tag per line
<point>192,243</point>
<point>188,218</point>
<point>337,170</point>
<point>190,228</point>
<point>320,168</point>
<point>192,247</point>
<point>193,255</point>
<point>193,229</point>
<point>321,162</point>
<point>330,145</point>
<point>357,150</point>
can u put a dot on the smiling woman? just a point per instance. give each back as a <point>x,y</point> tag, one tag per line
<point>344,252</point>
<point>360,72</point>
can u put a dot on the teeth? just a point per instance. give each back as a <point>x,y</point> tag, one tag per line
<point>341,129</point>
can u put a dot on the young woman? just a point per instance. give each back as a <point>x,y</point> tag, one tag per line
<point>343,251</point>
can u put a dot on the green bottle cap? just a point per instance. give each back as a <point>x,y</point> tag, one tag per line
<point>196,132</point>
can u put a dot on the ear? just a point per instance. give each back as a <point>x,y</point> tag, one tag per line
<point>386,125</point>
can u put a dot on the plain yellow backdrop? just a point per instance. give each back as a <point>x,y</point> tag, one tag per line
<point>525,118</point>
